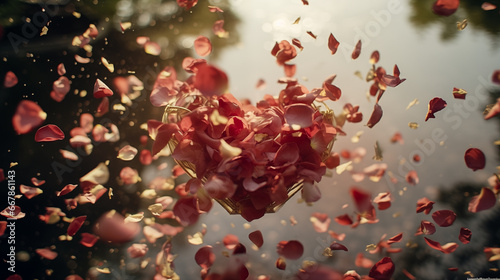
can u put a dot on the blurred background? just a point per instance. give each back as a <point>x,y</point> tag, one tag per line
<point>432,53</point>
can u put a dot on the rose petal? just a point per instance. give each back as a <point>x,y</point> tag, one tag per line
<point>395,239</point>
<point>60,88</point>
<point>220,187</point>
<point>230,241</point>
<point>383,269</point>
<point>210,80</point>
<point>335,246</point>
<point>46,253</point>
<point>375,116</point>
<point>320,221</point>
<point>75,225</point>
<point>29,192</point>
<point>101,89</point>
<point>292,249</point>
<point>10,80</point>
<point>88,239</point>
<point>343,220</point>
<point>127,153</point>
<point>333,44</point>
<point>383,200</point>
<point>436,104</point>
<point>205,257</point>
<point>256,238</point>
<point>186,210</point>
<point>299,115</point>
<point>475,159</point>
<point>424,205</point>
<point>465,235</point>
<point>412,177</point>
<point>152,48</point>
<point>445,7</point>
<point>483,201</point>
<point>444,218</point>
<point>447,248</point>
<point>488,6</point>
<point>27,117</point>
<point>202,46</point>
<point>49,133</point>
<point>357,50</point>
<point>112,227</point>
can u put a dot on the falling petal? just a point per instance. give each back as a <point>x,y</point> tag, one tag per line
<point>27,117</point>
<point>320,221</point>
<point>101,89</point>
<point>445,7</point>
<point>256,238</point>
<point>312,34</point>
<point>137,250</point>
<point>465,235</point>
<point>218,29</point>
<point>374,57</point>
<point>475,159</point>
<point>447,248</point>
<point>488,6</point>
<point>435,105</point>
<point>49,133</point>
<point>75,225</point>
<point>205,257</point>
<point>461,25</point>
<point>483,201</point>
<point>383,269</point>
<point>459,93</point>
<point>88,239</point>
<point>333,44</point>
<point>375,116</point>
<point>357,50</point>
<point>210,80</point>
<point>152,48</point>
<point>108,65</point>
<point>292,249</point>
<point>67,189</point>
<point>395,239</point>
<point>444,218</point>
<point>46,253</point>
<point>127,153</point>
<point>202,46</point>
<point>10,80</point>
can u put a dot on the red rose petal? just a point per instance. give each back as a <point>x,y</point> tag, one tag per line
<point>10,79</point>
<point>27,117</point>
<point>447,248</point>
<point>186,210</point>
<point>101,89</point>
<point>187,4</point>
<point>205,257</point>
<point>333,44</point>
<point>383,269</point>
<point>444,218</point>
<point>445,7</point>
<point>374,57</point>
<point>424,205</point>
<point>3,227</point>
<point>210,80</point>
<point>475,159</point>
<point>383,200</point>
<point>88,239</point>
<point>361,199</point>
<point>256,238</point>
<point>332,92</point>
<point>362,261</point>
<point>357,50</point>
<point>202,46</point>
<point>49,133</point>
<point>412,177</point>
<point>483,201</point>
<point>137,250</point>
<point>46,253</point>
<point>320,221</point>
<point>465,235</point>
<point>300,115</point>
<point>436,104</point>
<point>60,88</point>
<point>375,116</point>
<point>395,239</point>
<point>426,227</point>
<point>488,6</point>
<point>29,192</point>
<point>103,107</point>
<point>335,246</point>
<point>292,249</point>
<point>230,241</point>
<point>111,227</point>
<point>220,186</point>
<point>75,225</point>
<point>344,220</point>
